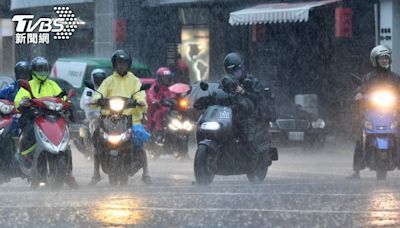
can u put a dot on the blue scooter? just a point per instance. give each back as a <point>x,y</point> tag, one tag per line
<point>381,131</point>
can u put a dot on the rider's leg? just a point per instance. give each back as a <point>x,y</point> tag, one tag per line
<point>358,159</point>
<point>143,157</point>
<point>96,158</point>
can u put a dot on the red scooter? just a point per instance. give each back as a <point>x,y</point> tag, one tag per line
<point>8,166</point>
<point>51,156</point>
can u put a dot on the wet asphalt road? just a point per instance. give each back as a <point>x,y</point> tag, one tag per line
<point>302,189</point>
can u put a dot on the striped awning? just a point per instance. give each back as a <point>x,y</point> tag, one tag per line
<point>25,4</point>
<point>275,13</point>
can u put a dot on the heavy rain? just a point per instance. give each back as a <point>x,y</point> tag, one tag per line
<point>199,113</point>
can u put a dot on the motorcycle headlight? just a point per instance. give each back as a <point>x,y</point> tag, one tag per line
<point>383,99</point>
<point>319,123</point>
<point>210,126</point>
<point>115,139</point>
<point>394,124</point>
<point>53,105</point>
<point>175,125</point>
<point>368,125</point>
<point>5,108</point>
<point>187,125</point>
<point>117,104</point>
<point>59,106</point>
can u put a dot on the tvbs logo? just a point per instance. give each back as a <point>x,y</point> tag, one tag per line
<point>29,30</point>
<point>25,24</point>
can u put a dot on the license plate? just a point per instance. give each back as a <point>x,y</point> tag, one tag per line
<point>296,136</point>
<point>114,152</point>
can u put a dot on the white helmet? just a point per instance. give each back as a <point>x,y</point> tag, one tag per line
<point>379,51</point>
<point>97,76</point>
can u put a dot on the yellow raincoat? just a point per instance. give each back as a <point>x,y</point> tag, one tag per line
<point>116,85</point>
<point>49,88</point>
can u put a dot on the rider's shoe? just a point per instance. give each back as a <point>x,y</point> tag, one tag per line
<point>146,179</point>
<point>354,176</point>
<point>71,182</point>
<point>95,179</point>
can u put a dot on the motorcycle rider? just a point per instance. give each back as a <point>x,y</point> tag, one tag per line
<point>381,60</point>
<point>91,113</point>
<point>124,83</point>
<point>157,112</point>
<point>41,86</point>
<point>247,90</point>
<point>22,70</point>
<point>97,77</point>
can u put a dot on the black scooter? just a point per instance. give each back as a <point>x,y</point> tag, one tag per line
<point>219,152</point>
<point>117,157</point>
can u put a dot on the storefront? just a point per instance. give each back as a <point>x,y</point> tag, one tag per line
<point>388,28</point>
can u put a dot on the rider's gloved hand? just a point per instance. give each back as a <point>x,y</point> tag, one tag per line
<point>141,103</point>
<point>25,102</point>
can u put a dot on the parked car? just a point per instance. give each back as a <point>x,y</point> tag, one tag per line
<point>294,122</point>
<point>72,72</point>
<point>298,122</point>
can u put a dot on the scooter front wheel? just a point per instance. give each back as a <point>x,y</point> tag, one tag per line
<point>201,170</point>
<point>258,175</point>
<point>381,164</point>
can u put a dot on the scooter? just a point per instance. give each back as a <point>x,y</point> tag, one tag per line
<point>178,126</point>
<point>50,158</point>
<point>8,165</point>
<point>118,158</point>
<point>381,130</point>
<point>219,151</point>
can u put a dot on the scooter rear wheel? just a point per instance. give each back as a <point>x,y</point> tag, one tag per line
<point>258,176</point>
<point>201,171</point>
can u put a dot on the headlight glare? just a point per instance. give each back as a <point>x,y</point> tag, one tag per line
<point>210,126</point>
<point>117,104</point>
<point>5,108</point>
<point>319,123</point>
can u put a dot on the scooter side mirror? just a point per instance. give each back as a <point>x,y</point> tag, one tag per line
<point>89,85</point>
<point>25,84</point>
<point>203,85</point>
<point>145,87</point>
<point>355,79</point>
<point>71,93</point>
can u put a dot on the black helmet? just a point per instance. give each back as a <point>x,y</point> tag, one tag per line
<point>23,70</point>
<point>98,76</point>
<point>40,68</point>
<point>121,54</point>
<point>232,62</point>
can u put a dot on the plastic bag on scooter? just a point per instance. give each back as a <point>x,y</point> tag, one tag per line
<point>139,135</point>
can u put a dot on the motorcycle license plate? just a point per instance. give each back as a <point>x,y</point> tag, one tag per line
<point>114,152</point>
<point>296,136</point>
